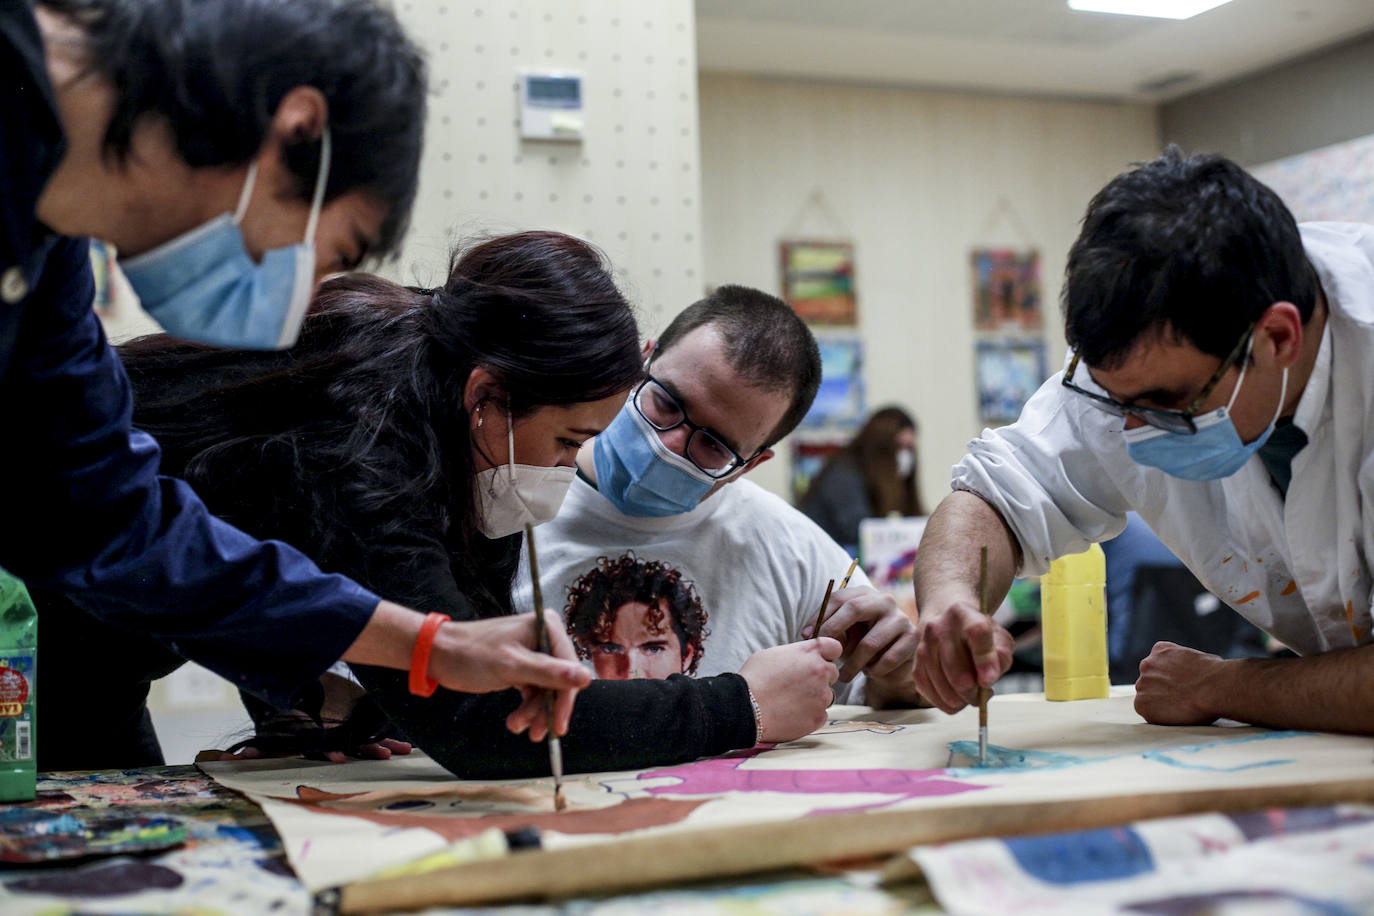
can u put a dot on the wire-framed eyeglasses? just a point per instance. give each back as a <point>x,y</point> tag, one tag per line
<point>1174,421</point>
<point>704,449</point>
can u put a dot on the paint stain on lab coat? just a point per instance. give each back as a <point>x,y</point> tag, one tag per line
<point>1290,588</point>
<point>1357,632</point>
<point>1248,598</point>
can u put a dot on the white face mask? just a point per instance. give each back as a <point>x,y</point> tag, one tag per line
<point>906,461</point>
<point>514,495</point>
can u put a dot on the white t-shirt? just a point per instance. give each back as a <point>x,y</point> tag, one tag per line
<point>760,566</point>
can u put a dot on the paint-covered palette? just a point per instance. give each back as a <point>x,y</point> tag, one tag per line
<point>30,835</point>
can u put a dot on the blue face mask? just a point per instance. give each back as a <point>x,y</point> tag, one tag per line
<point>203,286</point>
<point>640,475</point>
<point>1213,452</point>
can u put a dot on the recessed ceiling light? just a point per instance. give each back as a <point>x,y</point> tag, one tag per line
<point>1158,9</point>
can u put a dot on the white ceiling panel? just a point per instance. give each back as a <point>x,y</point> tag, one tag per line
<point>1038,47</point>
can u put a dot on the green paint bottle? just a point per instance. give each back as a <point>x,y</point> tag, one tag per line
<point>18,678</point>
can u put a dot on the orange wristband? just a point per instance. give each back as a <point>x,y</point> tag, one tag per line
<point>421,684</point>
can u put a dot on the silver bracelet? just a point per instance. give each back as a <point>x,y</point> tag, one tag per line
<point>758,716</point>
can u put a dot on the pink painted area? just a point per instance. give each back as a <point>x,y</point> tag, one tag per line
<point>725,774</point>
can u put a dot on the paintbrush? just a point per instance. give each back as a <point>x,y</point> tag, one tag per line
<point>555,748</point>
<point>853,564</point>
<point>820,615</point>
<point>983,692</point>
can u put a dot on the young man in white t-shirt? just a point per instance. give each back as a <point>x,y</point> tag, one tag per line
<point>729,377</point>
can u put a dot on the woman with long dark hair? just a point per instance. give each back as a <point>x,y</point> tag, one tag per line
<point>874,475</point>
<point>405,440</point>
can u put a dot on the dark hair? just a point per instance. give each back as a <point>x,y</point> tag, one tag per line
<point>217,70</point>
<point>1188,245</point>
<point>596,597</point>
<point>367,412</point>
<point>873,451</point>
<point>765,342</point>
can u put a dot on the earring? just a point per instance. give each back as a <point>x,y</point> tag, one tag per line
<point>479,417</point>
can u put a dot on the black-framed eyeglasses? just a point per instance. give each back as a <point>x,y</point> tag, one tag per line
<point>704,449</point>
<point>1174,421</point>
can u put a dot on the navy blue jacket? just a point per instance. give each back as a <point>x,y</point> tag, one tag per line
<point>82,508</point>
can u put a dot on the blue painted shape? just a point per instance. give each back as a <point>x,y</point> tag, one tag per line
<point>1167,756</point>
<point>963,756</point>
<point>1084,856</point>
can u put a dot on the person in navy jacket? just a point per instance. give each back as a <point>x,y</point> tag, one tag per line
<point>147,123</point>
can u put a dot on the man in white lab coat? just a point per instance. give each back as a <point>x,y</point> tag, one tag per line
<point>1221,384</point>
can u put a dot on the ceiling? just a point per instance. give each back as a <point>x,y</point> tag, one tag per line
<point>1037,47</point>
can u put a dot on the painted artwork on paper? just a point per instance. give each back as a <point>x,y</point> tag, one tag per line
<point>862,761</point>
<point>1297,860</point>
<point>1006,290</point>
<point>1332,183</point>
<point>634,618</point>
<point>818,281</point>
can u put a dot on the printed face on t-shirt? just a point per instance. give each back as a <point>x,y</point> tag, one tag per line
<point>636,648</point>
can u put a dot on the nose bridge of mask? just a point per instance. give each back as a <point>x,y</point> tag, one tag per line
<point>661,449</point>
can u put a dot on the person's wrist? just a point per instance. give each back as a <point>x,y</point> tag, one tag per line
<point>1221,679</point>
<point>420,682</point>
<point>758,714</point>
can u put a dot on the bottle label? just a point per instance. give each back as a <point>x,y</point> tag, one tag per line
<point>18,669</point>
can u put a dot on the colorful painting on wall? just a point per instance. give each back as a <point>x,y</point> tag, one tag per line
<point>840,398</point>
<point>1008,372</point>
<point>809,455</point>
<point>1006,290</point>
<point>863,761</point>
<point>818,281</point>
<point>1332,183</point>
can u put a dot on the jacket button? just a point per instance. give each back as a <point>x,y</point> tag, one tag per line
<point>13,286</point>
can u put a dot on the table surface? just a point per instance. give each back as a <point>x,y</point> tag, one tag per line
<point>233,863</point>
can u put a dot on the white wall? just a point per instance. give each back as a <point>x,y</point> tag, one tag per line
<point>915,178</point>
<point>633,186</point>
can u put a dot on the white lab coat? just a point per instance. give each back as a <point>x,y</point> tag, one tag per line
<point>1298,568</point>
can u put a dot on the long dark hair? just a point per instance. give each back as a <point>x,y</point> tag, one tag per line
<point>365,416</point>
<point>873,450</point>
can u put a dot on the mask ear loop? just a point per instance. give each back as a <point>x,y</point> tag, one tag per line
<point>247,192</point>
<point>321,181</point>
<point>1244,367</point>
<point>510,440</point>
<point>316,199</point>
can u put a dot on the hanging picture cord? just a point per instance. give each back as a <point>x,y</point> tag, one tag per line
<point>818,204</point>
<point>1003,210</point>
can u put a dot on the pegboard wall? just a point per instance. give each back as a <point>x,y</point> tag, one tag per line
<point>632,186</point>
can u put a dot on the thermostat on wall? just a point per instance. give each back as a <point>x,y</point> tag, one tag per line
<point>551,105</point>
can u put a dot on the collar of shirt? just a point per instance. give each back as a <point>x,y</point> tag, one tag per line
<point>1315,393</point>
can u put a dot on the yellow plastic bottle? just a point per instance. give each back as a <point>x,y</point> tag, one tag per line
<point>1073,623</point>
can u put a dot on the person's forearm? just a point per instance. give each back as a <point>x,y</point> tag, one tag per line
<point>1313,693</point>
<point>388,638</point>
<point>617,725</point>
<point>948,559</point>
